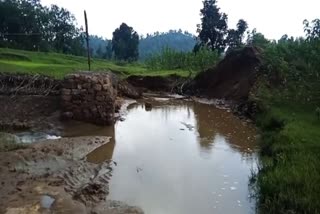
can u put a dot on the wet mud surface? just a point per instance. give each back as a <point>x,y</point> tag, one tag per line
<point>163,155</point>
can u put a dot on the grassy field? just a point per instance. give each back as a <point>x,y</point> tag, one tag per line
<point>289,180</point>
<point>58,65</point>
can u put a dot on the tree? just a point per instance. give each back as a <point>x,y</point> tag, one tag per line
<point>63,28</point>
<point>26,24</point>
<point>213,28</point>
<point>235,37</point>
<point>125,43</point>
<point>312,30</point>
<point>108,53</point>
<point>257,39</point>
<point>99,52</point>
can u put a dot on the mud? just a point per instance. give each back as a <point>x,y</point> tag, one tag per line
<point>57,169</point>
<point>29,112</point>
<point>157,83</point>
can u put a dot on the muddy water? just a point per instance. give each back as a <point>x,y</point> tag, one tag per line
<point>179,157</point>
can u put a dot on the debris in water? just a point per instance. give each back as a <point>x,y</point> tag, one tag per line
<point>189,126</point>
<point>139,169</point>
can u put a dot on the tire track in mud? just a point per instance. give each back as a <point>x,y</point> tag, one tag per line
<point>58,169</point>
<point>88,182</point>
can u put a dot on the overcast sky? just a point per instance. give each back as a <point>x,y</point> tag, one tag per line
<point>273,18</point>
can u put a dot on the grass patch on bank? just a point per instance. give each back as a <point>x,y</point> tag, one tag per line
<point>59,65</point>
<point>289,180</point>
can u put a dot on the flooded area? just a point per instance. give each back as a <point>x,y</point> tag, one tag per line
<point>178,157</point>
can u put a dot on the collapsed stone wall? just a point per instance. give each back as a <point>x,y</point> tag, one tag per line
<point>89,97</point>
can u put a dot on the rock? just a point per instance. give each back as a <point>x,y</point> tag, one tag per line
<point>9,142</point>
<point>76,92</point>
<point>67,115</point>
<point>66,91</point>
<point>105,87</point>
<point>97,87</point>
<point>148,106</point>
<point>66,98</point>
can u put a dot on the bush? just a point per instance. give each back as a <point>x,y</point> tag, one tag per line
<point>170,59</point>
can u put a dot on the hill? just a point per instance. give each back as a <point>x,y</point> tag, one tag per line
<point>176,40</point>
<point>150,45</point>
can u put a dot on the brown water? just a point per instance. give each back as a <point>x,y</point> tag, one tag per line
<point>179,158</point>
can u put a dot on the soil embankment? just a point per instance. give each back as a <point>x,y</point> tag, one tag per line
<point>157,83</point>
<point>231,79</point>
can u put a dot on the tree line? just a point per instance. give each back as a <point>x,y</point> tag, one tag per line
<point>28,25</point>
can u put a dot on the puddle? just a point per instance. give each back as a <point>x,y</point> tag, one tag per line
<point>180,157</point>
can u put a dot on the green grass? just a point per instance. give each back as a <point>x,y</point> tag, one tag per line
<point>58,65</point>
<point>289,180</point>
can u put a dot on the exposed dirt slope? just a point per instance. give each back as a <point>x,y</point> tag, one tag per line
<point>156,83</point>
<point>231,79</point>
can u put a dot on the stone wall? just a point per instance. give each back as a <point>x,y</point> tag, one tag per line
<point>89,97</point>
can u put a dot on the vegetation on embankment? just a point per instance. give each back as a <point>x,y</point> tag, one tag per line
<point>289,180</point>
<point>288,95</point>
<point>58,65</point>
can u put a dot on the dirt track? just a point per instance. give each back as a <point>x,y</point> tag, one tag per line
<point>57,169</point>
<point>52,176</point>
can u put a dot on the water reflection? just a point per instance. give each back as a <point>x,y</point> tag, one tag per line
<point>101,154</point>
<point>178,157</point>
